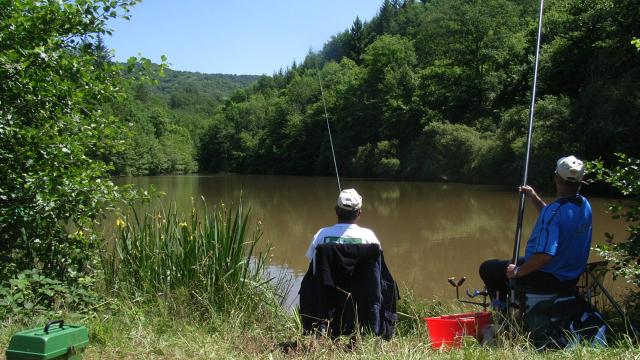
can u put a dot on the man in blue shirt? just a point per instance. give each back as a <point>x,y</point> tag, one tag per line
<point>558,248</point>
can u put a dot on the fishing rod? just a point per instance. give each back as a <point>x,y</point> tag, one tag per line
<point>326,116</point>
<point>525,174</point>
<point>518,234</point>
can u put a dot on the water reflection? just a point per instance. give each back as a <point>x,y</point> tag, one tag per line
<point>428,231</point>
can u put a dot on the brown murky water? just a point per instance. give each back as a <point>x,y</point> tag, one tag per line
<point>428,231</point>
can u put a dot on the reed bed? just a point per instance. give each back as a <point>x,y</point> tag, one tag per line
<point>205,258</point>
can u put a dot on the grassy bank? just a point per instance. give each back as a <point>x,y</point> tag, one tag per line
<point>193,286</point>
<point>134,329</point>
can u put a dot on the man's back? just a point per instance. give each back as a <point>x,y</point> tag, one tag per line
<point>563,230</point>
<point>342,233</point>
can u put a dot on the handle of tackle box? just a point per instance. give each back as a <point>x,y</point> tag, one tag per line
<point>53,322</point>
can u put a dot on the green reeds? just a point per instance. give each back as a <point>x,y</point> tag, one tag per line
<point>208,258</point>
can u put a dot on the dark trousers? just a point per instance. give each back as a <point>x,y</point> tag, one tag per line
<point>494,274</point>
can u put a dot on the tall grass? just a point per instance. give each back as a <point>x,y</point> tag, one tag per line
<point>207,258</point>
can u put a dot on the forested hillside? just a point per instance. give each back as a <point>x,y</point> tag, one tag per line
<point>166,118</point>
<point>440,90</point>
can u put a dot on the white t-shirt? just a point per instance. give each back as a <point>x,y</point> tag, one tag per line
<point>342,234</point>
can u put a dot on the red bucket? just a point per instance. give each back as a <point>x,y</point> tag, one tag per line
<point>448,330</point>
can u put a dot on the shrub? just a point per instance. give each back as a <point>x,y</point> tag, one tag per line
<point>623,253</point>
<point>30,294</point>
<point>555,134</point>
<point>453,152</point>
<point>378,160</point>
<point>54,80</point>
<point>625,178</point>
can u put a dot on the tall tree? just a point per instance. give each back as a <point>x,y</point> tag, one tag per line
<point>471,50</point>
<point>357,40</point>
<point>52,130</point>
<point>588,58</point>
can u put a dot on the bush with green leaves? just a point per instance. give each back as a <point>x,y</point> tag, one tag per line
<point>553,136</point>
<point>623,251</point>
<point>54,80</point>
<point>31,294</point>
<point>453,152</point>
<point>380,160</point>
<point>624,177</point>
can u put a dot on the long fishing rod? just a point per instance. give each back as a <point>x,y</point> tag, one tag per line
<point>326,116</point>
<point>525,174</point>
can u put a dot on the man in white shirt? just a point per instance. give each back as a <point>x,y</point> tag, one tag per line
<point>346,231</point>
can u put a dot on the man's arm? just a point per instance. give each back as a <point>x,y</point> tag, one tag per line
<point>535,262</point>
<point>312,247</point>
<point>529,192</point>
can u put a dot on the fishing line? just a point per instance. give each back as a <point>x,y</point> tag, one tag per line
<point>326,116</point>
<point>518,237</point>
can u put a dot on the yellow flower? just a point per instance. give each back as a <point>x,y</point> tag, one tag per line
<point>120,223</point>
<point>183,224</point>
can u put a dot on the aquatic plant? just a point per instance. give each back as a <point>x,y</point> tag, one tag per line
<point>206,258</point>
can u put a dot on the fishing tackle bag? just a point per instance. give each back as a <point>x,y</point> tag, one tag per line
<point>565,321</point>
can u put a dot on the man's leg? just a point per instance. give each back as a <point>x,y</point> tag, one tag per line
<point>545,283</point>
<point>494,274</point>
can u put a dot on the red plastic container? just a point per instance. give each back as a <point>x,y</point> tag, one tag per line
<point>448,330</point>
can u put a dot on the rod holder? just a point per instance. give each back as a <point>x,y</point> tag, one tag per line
<point>452,281</point>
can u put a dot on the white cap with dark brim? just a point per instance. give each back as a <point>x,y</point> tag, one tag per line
<point>349,199</point>
<point>570,168</point>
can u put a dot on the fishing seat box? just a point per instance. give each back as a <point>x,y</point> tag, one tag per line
<point>55,341</point>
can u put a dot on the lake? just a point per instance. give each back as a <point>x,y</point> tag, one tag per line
<point>428,231</point>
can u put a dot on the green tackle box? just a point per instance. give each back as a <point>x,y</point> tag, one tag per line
<point>55,341</point>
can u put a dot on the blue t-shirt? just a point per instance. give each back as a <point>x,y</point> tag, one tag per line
<point>563,230</point>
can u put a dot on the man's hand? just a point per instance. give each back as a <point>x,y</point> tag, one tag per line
<point>529,192</point>
<point>511,271</point>
<point>535,262</point>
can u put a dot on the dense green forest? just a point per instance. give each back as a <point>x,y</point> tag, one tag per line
<point>440,90</point>
<point>165,118</point>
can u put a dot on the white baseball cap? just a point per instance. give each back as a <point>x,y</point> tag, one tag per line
<point>570,168</point>
<point>349,199</point>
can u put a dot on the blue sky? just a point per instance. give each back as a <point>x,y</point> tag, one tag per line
<point>233,37</point>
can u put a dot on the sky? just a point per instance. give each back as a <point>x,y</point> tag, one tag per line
<point>233,37</point>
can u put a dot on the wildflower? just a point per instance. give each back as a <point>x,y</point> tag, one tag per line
<point>119,223</point>
<point>183,224</point>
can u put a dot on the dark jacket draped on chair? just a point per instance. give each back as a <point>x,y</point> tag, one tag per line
<point>351,285</point>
